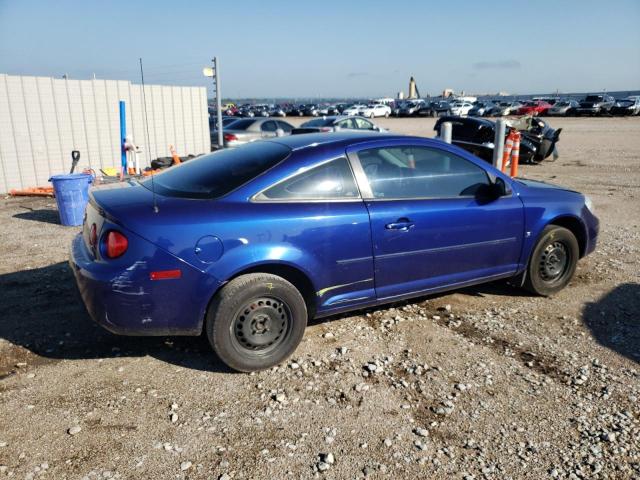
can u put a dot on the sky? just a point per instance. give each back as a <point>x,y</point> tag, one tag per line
<point>347,48</point>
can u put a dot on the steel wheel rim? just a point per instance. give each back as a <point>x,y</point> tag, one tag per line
<point>261,325</point>
<point>554,262</point>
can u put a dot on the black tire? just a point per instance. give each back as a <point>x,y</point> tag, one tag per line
<point>256,321</point>
<point>553,261</point>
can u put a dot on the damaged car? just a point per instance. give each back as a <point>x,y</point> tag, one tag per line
<point>244,246</point>
<point>477,135</point>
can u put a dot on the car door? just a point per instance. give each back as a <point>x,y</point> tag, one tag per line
<point>323,218</point>
<point>431,225</point>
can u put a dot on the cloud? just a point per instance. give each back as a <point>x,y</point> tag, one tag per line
<point>503,64</point>
<point>358,74</point>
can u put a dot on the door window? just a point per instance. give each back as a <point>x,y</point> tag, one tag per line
<point>347,123</point>
<point>330,181</point>
<point>420,172</point>
<point>363,124</point>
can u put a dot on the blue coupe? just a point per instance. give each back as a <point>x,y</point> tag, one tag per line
<point>247,244</point>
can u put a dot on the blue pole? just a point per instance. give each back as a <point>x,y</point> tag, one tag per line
<point>123,134</point>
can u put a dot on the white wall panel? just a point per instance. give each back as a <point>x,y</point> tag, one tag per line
<point>43,119</point>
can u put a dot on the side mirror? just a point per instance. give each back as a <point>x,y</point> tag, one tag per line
<point>495,189</point>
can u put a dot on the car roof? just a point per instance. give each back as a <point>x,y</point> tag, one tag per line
<point>310,140</point>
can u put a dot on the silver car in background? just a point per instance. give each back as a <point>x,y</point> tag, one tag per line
<point>563,108</point>
<point>245,130</point>
<point>505,108</point>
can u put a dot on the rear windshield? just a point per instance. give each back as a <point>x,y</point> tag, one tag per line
<point>218,173</point>
<point>593,98</point>
<point>242,124</point>
<point>318,122</point>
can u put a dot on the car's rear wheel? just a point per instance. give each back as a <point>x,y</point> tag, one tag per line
<point>553,261</point>
<point>256,321</point>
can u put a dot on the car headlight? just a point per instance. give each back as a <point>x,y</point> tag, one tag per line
<point>589,204</point>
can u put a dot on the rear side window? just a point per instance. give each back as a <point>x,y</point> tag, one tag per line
<point>269,126</point>
<point>330,181</point>
<point>285,126</point>
<point>218,173</point>
<point>420,172</point>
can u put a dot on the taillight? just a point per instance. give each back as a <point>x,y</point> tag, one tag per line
<point>115,244</point>
<point>230,137</point>
<point>326,129</point>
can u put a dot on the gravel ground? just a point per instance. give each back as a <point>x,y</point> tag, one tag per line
<point>486,382</point>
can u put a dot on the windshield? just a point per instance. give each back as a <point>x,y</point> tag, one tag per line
<point>216,174</point>
<point>593,98</point>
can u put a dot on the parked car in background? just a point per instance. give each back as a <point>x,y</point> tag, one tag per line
<point>376,110</point>
<point>563,108</point>
<point>626,106</point>
<point>328,110</point>
<point>336,123</point>
<point>480,109</point>
<point>246,245</point>
<point>426,110</point>
<point>534,108</point>
<point>246,112</point>
<point>595,105</point>
<point>502,109</point>
<point>295,110</point>
<point>476,135</point>
<point>277,111</point>
<point>441,107</point>
<point>246,130</point>
<point>311,110</point>
<point>354,109</point>
<point>461,108</point>
<point>408,108</point>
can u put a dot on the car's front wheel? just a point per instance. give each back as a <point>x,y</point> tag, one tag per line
<point>256,321</point>
<point>553,261</point>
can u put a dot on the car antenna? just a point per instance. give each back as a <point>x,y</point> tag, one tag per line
<point>146,121</point>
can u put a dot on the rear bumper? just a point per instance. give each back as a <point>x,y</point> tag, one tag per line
<point>124,300</point>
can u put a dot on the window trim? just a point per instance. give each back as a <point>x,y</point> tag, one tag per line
<point>254,198</point>
<point>365,187</point>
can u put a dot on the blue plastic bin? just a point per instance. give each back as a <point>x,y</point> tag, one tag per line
<point>72,196</point>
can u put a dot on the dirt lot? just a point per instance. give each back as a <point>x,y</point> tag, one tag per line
<point>487,382</point>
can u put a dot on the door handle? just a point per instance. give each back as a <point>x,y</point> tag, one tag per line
<point>402,224</point>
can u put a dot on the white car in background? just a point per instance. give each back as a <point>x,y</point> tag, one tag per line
<point>377,110</point>
<point>354,110</point>
<point>461,109</point>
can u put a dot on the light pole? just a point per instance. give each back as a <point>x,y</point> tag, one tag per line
<point>214,73</point>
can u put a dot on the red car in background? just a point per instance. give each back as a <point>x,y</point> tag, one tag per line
<point>534,107</point>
